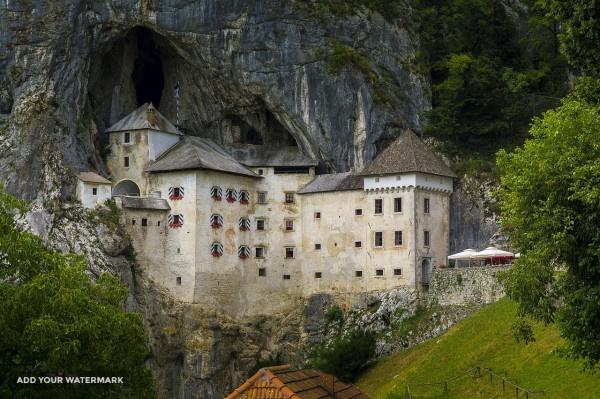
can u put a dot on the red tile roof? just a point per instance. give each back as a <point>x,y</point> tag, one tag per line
<point>281,382</point>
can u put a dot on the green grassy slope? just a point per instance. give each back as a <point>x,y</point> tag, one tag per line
<point>483,339</point>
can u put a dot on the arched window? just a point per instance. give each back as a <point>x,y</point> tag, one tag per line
<point>216,193</point>
<point>216,249</point>
<point>244,197</point>
<point>244,224</point>
<point>175,193</point>
<point>175,220</point>
<point>243,251</point>
<point>216,221</point>
<point>230,195</point>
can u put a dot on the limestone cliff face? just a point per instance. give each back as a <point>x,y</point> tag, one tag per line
<point>71,68</point>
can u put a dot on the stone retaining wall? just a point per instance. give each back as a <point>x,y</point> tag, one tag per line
<point>466,285</point>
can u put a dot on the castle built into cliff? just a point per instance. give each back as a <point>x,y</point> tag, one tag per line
<point>247,229</point>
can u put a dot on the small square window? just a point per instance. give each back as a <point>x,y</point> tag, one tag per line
<point>289,225</point>
<point>127,138</point>
<point>289,198</point>
<point>358,273</point>
<point>357,244</point>
<point>289,252</point>
<point>262,272</point>
<point>286,276</point>
<point>94,191</point>
<point>378,272</point>
<point>158,223</point>
<point>397,205</point>
<point>133,222</point>
<point>379,206</point>
<point>378,239</point>
<point>317,215</point>
<point>144,222</point>
<point>426,238</point>
<point>317,247</point>
<point>377,179</point>
<point>261,197</point>
<point>261,172</point>
<point>397,238</point>
<point>318,274</point>
<point>259,252</point>
<point>397,272</point>
<point>425,205</point>
<point>126,162</point>
<point>178,250</point>
<point>358,212</point>
<point>260,224</point>
<point>178,280</point>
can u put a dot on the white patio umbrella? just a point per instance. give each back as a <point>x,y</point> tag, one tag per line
<point>463,255</point>
<point>493,252</point>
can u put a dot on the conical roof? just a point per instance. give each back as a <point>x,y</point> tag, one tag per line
<point>407,154</point>
<point>139,119</point>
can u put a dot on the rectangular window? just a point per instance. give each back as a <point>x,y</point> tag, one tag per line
<point>286,276</point>
<point>318,274</point>
<point>289,252</point>
<point>425,205</point>
<point>357,244</point>
<point>426,238</point>
<point>379,206</point>
<point>158,223</point>
<point>397,238</point>
<point>397,205</point>
<point>358,273</point>
<point>358,212</point>
<point>177,220</point>
<point>94,191</point>
<point>317,247</point>
<point>397,272</point>
<point>261,197</point>
<point>261,172</point>
<point>126,162</point>
<point>133,222</point>
<point>317,215</point>
<point>289,197</point>
<point>178,280</point>
<point>262,272</point>
<point>127,138</point>
<point>144,222</point>
<point>259,252</point>
<point>289,225</point>
<point>379,272</point>
<point>379,239</point>
<point>260,224</point>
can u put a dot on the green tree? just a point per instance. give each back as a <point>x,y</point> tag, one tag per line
<point>54,321</point>
<point>346,356</point>
<point>550,207</point>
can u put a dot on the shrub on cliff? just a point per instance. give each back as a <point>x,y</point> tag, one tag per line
<point>346,356</point>
<point>56,322</point>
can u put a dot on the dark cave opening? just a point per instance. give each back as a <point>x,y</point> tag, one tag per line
<point>147,75</point>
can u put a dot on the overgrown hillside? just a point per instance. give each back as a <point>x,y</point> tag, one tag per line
<point>483,339</point>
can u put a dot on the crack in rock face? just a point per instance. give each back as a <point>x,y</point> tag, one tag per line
<point>248,72</point>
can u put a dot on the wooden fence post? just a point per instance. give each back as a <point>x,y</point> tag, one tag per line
<point>503,385</point>
<point>517,392</point>
<point>445,386</point>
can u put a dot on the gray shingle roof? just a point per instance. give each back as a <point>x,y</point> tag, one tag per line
<point>92,177</point>
<point>262,155</point>
<point>138,119</point>
<point>407,154</point>
<point>198,153</point>
<point>159,204</point>
<point>333,182</point>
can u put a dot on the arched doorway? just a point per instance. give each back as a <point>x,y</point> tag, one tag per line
<point>126,187</point>
<point>425,270</point>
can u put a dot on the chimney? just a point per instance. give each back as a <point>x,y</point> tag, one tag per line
<point>151,115</point>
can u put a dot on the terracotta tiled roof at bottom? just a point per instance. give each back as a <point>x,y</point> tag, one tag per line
<point>281,382</point>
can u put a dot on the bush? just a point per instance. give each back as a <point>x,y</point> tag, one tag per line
<point>346,356</point>
<point>334,313</point>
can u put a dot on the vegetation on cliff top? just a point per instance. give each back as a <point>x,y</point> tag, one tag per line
<point>56,322</point>
<point>485,339</point>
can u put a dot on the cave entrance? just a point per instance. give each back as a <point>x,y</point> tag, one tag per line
<point>147,75</point>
